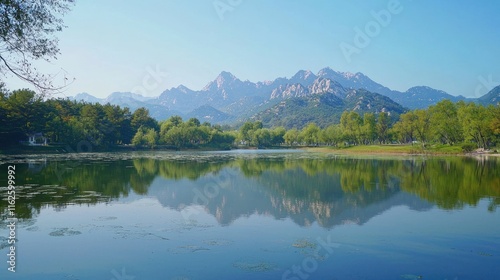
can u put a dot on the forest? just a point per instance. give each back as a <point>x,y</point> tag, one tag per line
<point>82,127</point>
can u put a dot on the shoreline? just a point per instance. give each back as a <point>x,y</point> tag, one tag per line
<point>368,150</point>
<point>390,150</point>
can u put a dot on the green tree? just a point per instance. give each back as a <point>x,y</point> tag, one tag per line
<point>27,31</point>
<point>245,131</point>
<point>175,137</point>
<point>141,117</point>
<point>291,137</point>
<point>151,137</point>
<point>331,135</point>
<point>422,125</point>
<point>369,129</point>
<point>90,120</point>
<point>23,113</point>
<point>476,123</point>
<point>310,134</point>
<point>165,126</point>
<point>445,125</point>
<point>193,122</point>
<point>138,139</point>
<point>221,139</point>
<point>277,135</point>
<point>261,137</point>
<point>351,123</point>
<point>406,127</point>
<point>383,124</point>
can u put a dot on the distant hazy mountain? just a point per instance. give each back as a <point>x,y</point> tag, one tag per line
<point>492,97</point>
<point>131,100</point>
<point>85,97</point>
<point>413,98</point>
<point>228,99</point>
<point>207,113</point>
<point>121,97</point>
<point>423,97</point>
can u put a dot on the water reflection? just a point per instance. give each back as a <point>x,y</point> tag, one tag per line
<point>307,189</point>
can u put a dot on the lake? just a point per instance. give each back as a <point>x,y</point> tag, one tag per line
<point>251,215</point>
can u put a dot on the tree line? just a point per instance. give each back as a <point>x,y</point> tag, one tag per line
<point>80,124</point>
<point>444,123</point>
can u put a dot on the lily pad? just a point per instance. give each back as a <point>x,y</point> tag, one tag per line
<point>411,277</point>
<point>304,243</point>
<point>255,267</point>
<point>64,232</point>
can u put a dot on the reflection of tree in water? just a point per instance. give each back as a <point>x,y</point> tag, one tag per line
<point>62,183</point>
<point>328,189</point>
<point>320,186</point>
<point>453,182</point>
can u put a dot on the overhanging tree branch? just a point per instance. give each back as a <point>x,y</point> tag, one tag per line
<point>26,32</point>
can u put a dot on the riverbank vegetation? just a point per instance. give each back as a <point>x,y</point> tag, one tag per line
<point>446,127</point>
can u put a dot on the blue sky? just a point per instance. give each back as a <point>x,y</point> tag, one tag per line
<point>149,46</point>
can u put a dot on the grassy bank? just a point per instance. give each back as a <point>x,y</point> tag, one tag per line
<point>392,150</point>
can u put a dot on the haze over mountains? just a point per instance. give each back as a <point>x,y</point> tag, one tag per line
<point>291,102</point>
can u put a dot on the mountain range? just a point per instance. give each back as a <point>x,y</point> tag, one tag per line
<point>291,102</point>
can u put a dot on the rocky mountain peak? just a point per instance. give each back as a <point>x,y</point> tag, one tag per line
<point>224,79</point>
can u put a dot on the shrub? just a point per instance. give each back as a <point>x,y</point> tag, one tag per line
<point>468,147</point>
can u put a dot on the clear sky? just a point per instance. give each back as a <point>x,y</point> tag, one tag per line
<point>151,45</point>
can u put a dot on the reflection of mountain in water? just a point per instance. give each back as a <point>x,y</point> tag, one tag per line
<point>229,195</point>
<point>307,189</point>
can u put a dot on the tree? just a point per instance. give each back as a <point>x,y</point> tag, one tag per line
<point>26,34</point>
<point>257,125</point>
<point>310,134</point>
<point>174,137</point>
<point>193,122</point>
<point>277,135</point>
<point>222,139</point>
<point>138,138</point>
<point>422,125</point>
<point>248,129</point>
<point>383,123</point>
<point>445,125</point>
<point>151,137</point>
<point>245,129</point>
<point>495,121</point>
<point>369,129</point>
<point>261,137</point>
<point>90,119</point>
<point>331,135</point>
<point>291,137</point>
<point>476,123</point>
<point>22,114</point>
<point>141,118</point>
<point>406,127</point>
<point>351,123</point>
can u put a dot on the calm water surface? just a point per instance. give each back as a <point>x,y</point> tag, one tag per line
<point>252,215</point>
